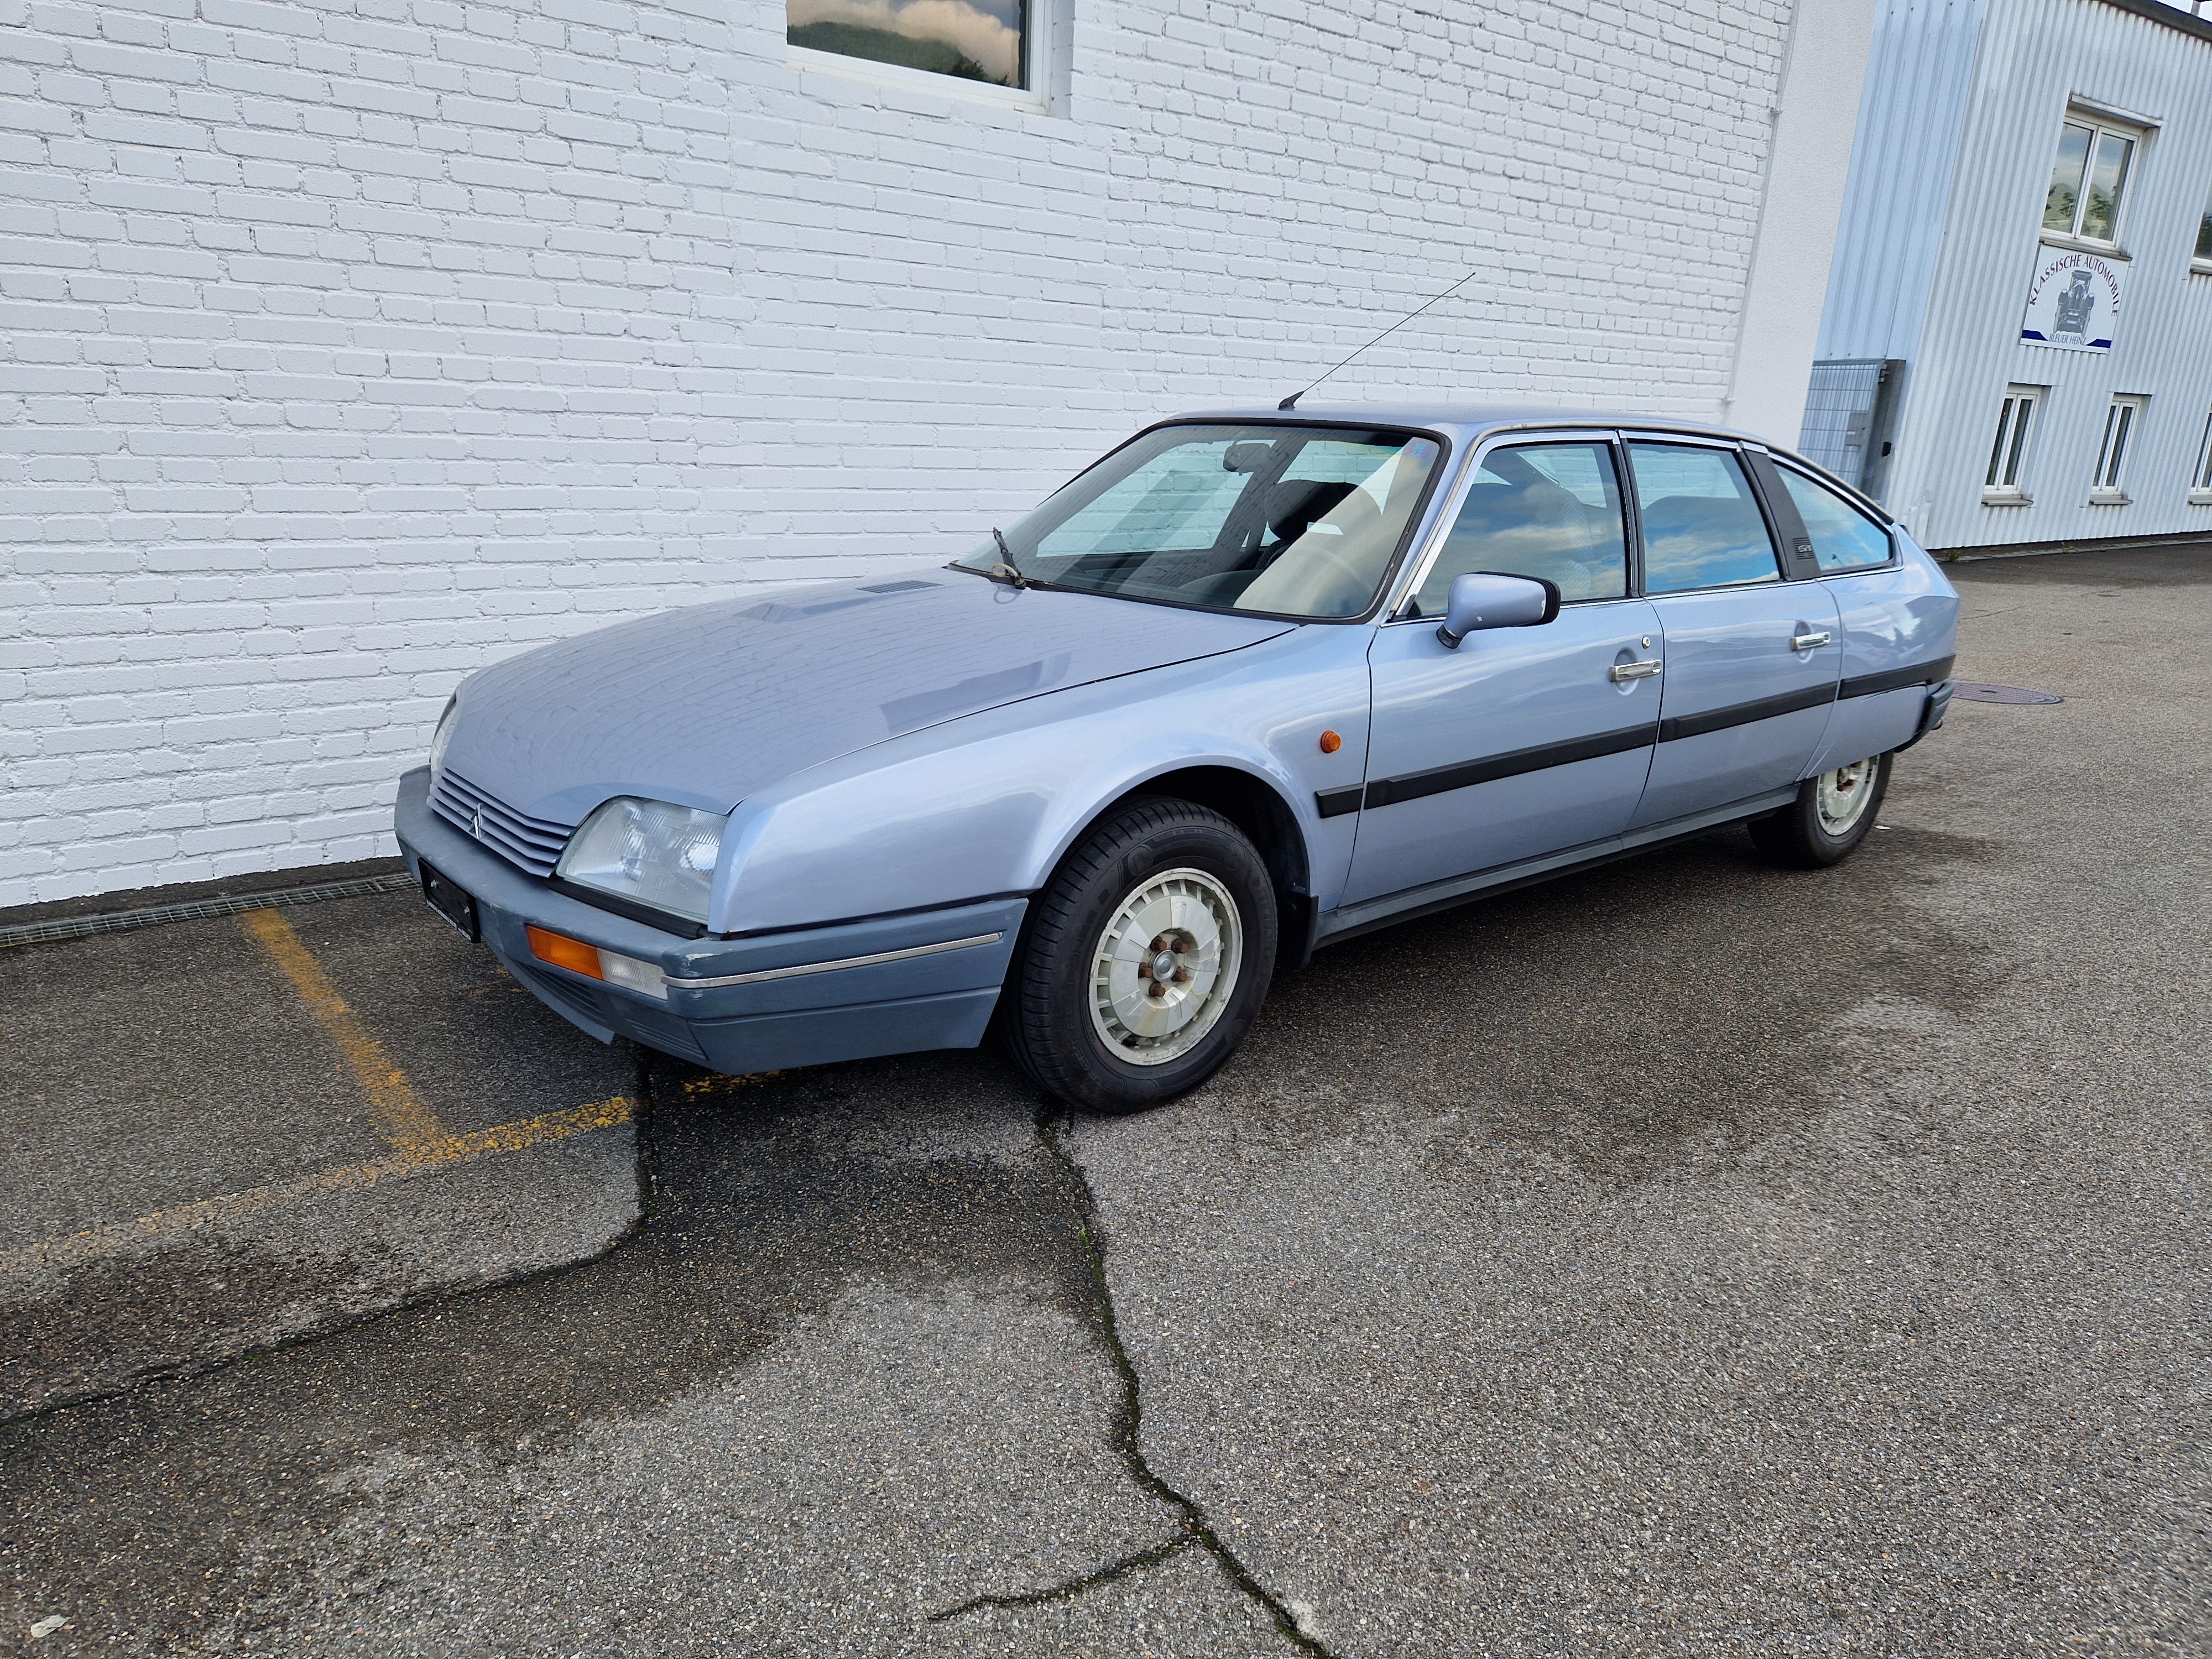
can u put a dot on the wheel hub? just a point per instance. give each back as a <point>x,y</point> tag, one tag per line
<point>1165,966</point>
<point>1844,795</point>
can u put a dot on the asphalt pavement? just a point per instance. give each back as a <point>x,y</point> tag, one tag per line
<point>1686,1257</point>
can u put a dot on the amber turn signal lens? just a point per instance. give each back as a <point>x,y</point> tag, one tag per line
<point>1330,743</point>
<point>565,952</point>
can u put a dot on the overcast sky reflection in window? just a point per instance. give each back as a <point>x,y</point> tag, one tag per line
<point>971,40</point>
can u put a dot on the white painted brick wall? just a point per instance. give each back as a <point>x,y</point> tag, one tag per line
<point>351,344</point>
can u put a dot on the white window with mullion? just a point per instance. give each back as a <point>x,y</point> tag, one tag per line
<point>2108,485</point>
<point>2005,485</point>
<point>2088,180</point>
<point>2199,482</point>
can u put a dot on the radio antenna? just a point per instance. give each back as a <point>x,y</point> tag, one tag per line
<point>1292,401</point>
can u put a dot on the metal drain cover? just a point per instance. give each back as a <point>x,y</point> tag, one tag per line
<point>1975,691</point>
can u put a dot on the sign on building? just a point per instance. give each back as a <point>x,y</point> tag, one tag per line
<point>2074,302</point>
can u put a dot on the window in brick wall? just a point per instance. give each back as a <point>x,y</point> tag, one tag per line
<point>2087,178</point>
<point>981,40</point>
<point>2005,485</point>
<point>2108,486</point>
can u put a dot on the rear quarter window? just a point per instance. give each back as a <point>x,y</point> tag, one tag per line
<point>1844,538</point>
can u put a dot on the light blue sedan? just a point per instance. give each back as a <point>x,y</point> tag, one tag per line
<point>1250,684</point>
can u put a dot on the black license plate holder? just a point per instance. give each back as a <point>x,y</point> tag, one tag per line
<point>452,902</point>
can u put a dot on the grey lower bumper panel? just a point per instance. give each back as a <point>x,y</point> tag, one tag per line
<point>899,994</point>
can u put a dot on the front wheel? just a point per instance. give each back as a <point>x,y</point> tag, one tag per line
<point>1831,816</point>
<point>1145,958</point>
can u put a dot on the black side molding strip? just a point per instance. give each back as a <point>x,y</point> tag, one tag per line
<point>1896,679</point>
<point>1742,714</point>
<point>1412,786</point>
<point>1335,803</point>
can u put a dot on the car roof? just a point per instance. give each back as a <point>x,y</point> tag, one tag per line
<point>1465,421</point>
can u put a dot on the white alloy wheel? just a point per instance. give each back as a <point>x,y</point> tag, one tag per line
<point>1844,795</point>
<point>1166,966</point>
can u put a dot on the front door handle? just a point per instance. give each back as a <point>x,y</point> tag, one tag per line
<point>1808,641</point>
<point>1632,671</point>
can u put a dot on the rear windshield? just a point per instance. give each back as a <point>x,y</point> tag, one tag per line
<point>1294,521</point>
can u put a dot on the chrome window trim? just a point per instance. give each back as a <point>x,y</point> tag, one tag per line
<point>1416,570</point>
<point>796,971</point>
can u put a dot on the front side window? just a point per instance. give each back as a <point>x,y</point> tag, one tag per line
<point>1702,525</point>
<point>1295,521</point>
<point>2009,454</point>
<point>985,40</point>
<point>1843,538</point>
<point>2087,178</point>
<point>1547,510</point>
<point>2120,421</point>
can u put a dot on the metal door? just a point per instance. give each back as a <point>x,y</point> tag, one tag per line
<point>1751,661</point>
<point>1522,741</point>
<point>1518,743</point>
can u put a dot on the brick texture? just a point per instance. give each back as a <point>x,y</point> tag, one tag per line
<point>351,344</point>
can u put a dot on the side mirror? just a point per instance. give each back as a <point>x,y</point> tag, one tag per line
<point>1480,600</point>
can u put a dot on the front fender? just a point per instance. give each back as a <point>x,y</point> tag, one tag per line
<point>990,803</point>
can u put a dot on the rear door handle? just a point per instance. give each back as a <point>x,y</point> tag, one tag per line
<point>1632,671</point>
<point>1808,641</point>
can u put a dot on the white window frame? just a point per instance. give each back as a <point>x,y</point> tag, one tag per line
<point>2101,122</point>
<point>2019,424</point>
<point>2124,419</point>
<point>2201,263</point>
<point>2199,482</point>
<point>1040,43</point>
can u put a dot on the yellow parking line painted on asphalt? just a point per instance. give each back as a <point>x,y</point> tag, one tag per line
<point>70,1250</point>
<point>401,1117</point>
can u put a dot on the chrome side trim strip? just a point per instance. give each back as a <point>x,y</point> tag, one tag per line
<point>675,984</point>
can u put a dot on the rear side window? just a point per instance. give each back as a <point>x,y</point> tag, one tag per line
<point>1548,510</point>
<point>1702,525</point>
<point>1844,538</point>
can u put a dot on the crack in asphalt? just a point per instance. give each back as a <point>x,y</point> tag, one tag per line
<point>1071,1587</point>
<point>1127,1431</point>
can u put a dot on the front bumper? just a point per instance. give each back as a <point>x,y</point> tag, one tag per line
<point>942,1000</point>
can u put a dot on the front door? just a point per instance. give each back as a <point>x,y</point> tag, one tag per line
<point>1752,660</point>
<point>1522,741</point>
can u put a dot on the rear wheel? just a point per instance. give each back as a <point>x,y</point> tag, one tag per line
<point>1143,960</point>
<point>1832,815</point>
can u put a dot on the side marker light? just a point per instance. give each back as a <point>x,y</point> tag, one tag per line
<point>1330,743</point>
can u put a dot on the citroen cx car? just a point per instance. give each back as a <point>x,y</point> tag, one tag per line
<point>1250,684</point>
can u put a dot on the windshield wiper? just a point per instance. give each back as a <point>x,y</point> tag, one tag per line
<point>1007,570</point>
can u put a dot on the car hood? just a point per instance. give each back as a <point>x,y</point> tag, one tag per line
<point>705,705</point>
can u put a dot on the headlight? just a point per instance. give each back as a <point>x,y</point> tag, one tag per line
<point>444,735</point>
<point>647,852</point>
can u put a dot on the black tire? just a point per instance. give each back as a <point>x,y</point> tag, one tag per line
<point>1798,837</point>
<point>1049,1025</point>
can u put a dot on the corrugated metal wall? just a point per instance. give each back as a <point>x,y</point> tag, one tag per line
<point>1910,115</point>
<point>2034,55</point>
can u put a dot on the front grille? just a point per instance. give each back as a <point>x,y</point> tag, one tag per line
<point>528,843</point>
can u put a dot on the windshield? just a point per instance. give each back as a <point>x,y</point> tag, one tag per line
<point>1295,521</point>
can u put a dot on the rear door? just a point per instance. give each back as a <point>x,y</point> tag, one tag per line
<point>1898,621</point>
<point>1521,741</point>
<point>1752,660</point>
